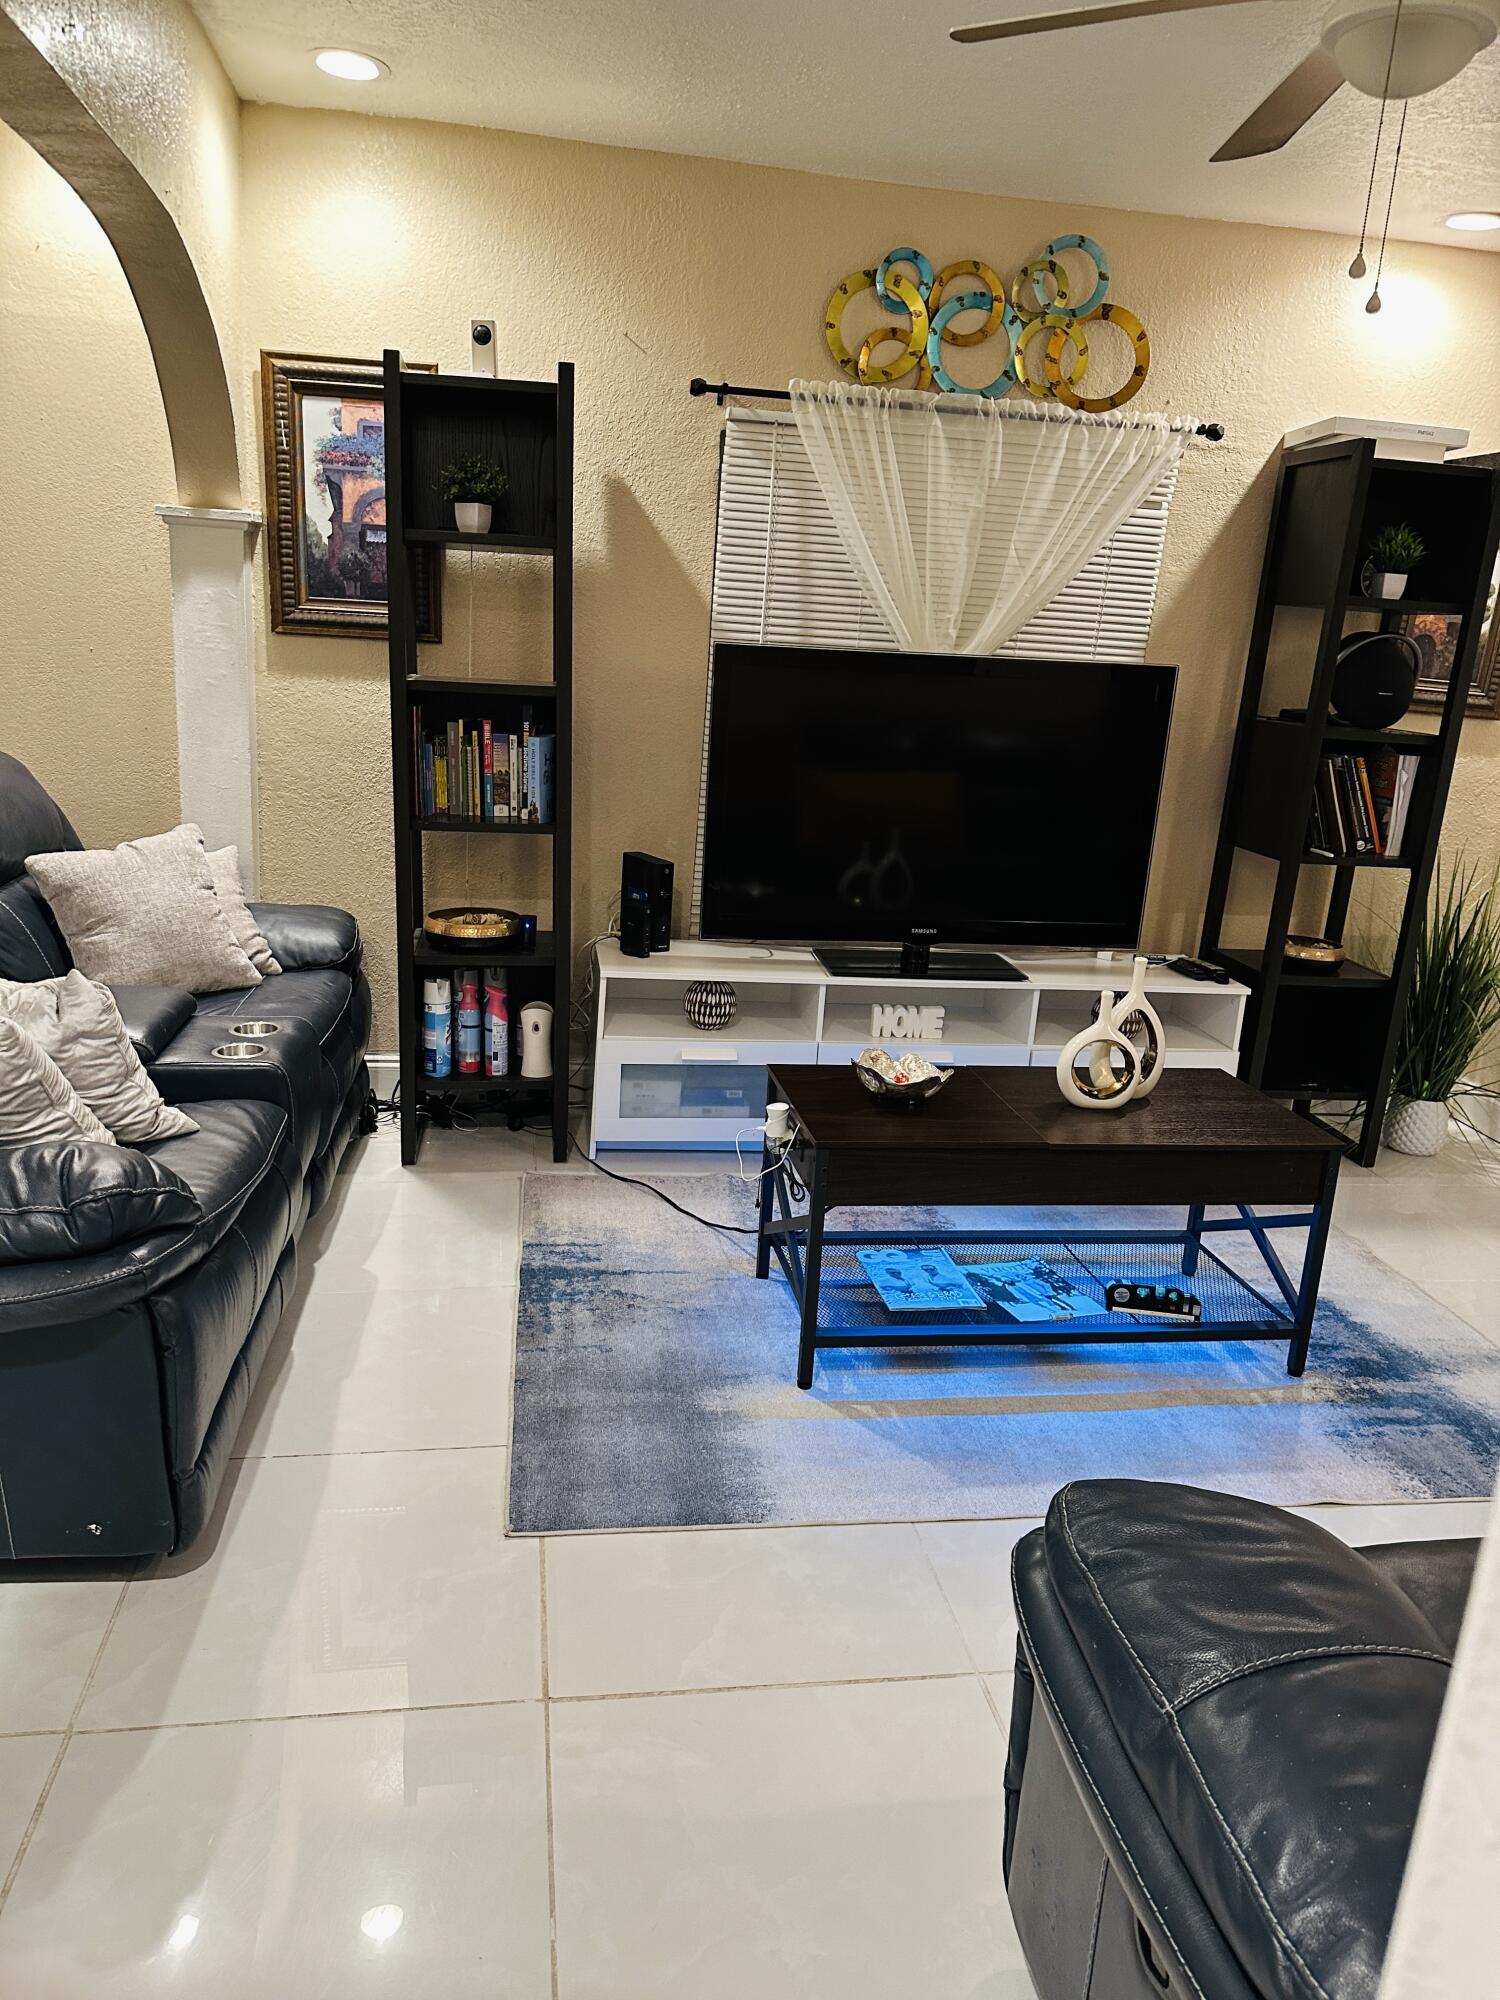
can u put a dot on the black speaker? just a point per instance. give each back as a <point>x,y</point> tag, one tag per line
<point>645,904</point>
<point>1375,678</point>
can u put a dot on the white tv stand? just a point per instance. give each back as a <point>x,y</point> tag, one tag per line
<point>659,1082</point>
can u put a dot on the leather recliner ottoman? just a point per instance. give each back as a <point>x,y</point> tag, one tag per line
<point>1222,1721</point>
<point>134,1319</point>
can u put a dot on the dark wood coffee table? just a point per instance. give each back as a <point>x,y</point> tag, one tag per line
<point>1006,1138</point>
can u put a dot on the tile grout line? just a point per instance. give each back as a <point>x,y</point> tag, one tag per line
<point>547,1762</point>
<point>932,1569</point>
<point>62,1749</point>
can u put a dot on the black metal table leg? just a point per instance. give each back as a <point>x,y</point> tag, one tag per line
<point>1312,1268</point>
<point>817,1188</point>
<point>1194,1243</point>
<point>765,1208</point>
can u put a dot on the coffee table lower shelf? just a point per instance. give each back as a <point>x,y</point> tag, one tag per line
<point>840,1306</point>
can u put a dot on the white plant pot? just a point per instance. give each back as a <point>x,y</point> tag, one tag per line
<point>1386,583</point>
<point>473,517</point>
<point>1417,1125</point>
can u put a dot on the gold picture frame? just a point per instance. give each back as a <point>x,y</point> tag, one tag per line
<point>323,422</point>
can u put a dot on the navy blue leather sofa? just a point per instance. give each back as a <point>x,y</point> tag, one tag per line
<point>140,1288</point>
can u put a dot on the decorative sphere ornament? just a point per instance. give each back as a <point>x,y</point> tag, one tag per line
<point>1358,268</point>
<point>710,1004</point>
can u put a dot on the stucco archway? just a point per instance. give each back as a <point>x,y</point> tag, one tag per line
<point>41,108</point>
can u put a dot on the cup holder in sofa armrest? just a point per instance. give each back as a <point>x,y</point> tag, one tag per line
<point>254,1031</point>
<point>238,1051</point>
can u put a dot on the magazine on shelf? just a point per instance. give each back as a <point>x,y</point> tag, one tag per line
<point>918,1281</point>
<point>1029,1289</point>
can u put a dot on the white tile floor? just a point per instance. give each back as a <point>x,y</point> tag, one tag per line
<point>357,1744</point>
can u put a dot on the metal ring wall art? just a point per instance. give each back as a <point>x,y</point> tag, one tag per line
<point>1043,325</point>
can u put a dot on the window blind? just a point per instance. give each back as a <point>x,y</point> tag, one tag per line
<point>781,576</point>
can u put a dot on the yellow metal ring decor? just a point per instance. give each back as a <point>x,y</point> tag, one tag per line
<point>1066,392</point>
<point>913,337</point>
<point>843,292</point>
<point>1035,275</point>
<point>923,321</point>
<point>1060,331</point>
<point>969,267</point>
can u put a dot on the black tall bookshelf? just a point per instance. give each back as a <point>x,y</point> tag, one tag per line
<point>527,428</point>
<point>1312,1034</point>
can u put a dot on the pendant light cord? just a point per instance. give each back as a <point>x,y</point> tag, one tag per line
<point>1385,92</point>
<point>1389,200</point>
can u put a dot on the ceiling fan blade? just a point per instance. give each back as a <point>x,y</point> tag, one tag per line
<point>1082,17</point>
<point>1288,108</point>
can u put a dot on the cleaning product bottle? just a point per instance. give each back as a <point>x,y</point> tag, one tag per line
<point>496,1024</point>
<point>437,1027</point>
<point>468,1023</point>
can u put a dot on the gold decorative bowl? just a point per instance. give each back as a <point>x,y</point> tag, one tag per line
<point>1312,954</point>
<point>471,926</point>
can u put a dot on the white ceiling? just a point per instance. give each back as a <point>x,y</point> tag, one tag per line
<point>1125,114</point>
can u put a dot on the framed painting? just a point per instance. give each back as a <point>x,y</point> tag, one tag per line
<point>1438,640</point>
<point>324,424</point>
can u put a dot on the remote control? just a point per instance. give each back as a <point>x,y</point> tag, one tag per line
<point>1199,968</point>
<point>1155,1301</point>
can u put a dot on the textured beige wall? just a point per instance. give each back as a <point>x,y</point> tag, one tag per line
<point>646,269</point>
<point>86,694</point>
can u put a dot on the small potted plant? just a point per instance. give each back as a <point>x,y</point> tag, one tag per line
<point>1394,554</point>
<point>473,483</point>
<point>1452,1010</point>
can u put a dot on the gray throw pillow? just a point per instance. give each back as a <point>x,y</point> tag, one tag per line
<point>144,914</point>
<point>224,866</point>
<point>78,1024</point>
<point>36,1099</point>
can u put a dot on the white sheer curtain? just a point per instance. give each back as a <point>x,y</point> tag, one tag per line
<point>922,487</point>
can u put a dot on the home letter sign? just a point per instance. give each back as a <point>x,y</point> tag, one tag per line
<point>906,1024</point>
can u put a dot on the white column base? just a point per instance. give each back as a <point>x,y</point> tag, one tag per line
<point>214,657</point>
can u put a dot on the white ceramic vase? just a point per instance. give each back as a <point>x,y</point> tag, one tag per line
<point>472,516</point>
<point>1417,1125</point>
<point>1145,1034</point>
<point>1100,1087</point>
<point>536,1039</point>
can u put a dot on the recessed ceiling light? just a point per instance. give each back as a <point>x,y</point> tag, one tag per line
<point>1473,219</point>
<point>349,65</point>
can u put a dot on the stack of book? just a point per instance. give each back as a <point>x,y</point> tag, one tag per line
<point>1360,804</point>
<point>477,771</point>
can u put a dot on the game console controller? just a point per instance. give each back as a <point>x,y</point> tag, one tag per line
<point>1154,1301</point>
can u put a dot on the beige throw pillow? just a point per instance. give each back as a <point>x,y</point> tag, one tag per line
<point>36,1100</point>
<point>224,866</point>
<point>144,914</point>
<point>78,1025</point>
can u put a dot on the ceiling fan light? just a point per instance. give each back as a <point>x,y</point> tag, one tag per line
<point>1472,220</point>
<point>1435,41</point>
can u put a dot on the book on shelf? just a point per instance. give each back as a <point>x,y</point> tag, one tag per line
<point>478,771</point>
<point>1360,805</point>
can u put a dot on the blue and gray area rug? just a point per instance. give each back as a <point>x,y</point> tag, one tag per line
<point>654,1388</point>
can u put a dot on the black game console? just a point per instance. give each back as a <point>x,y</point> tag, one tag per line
<point>645,904</point>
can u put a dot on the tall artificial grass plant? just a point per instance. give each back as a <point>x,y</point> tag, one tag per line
<point>1453,1007</point>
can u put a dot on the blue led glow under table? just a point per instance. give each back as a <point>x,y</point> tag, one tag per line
<point>1005,1138</point>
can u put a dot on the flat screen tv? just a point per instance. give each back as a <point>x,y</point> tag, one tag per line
<point>911,800</point>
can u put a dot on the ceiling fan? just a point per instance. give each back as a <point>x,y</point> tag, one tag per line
<point>1386,48</point>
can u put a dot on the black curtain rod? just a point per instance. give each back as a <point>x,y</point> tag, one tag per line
<point>719,390</point>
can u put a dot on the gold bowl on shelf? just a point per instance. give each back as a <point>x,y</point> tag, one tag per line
<point>471,927</point>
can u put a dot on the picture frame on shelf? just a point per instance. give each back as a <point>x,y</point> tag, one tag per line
<point>323,436</point>
<point>1437,638</point>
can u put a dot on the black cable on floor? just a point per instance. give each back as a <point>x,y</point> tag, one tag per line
<point>629,1180</point>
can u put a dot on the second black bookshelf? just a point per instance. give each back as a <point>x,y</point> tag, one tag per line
<point>480,756</point>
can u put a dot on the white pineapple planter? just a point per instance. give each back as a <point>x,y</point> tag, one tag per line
<point>1417,1125</point>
